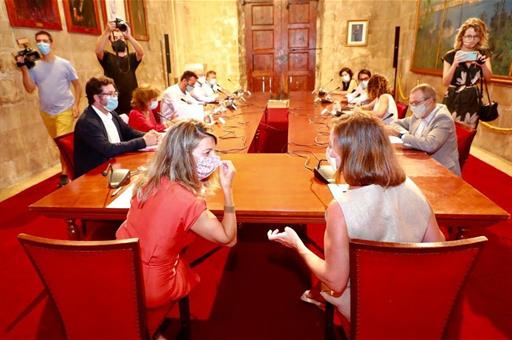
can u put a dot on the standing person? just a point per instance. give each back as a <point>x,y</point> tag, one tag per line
<point>144,115</point>
<point>381,204</point>
<point>463,69</point>
<point>382,104</point>
<point>168,210</point>
<point>53,76</point>
<point>100,133</point>
<point>122,65</point>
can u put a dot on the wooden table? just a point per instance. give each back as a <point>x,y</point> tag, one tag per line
<point>277,188</point>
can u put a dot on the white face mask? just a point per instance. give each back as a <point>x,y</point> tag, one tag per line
<point>419,110</point>
<point>346,78</point>
<point>212,81</point>
<point>153,105</point>
<point>364,84</point>
<point>332,160</point>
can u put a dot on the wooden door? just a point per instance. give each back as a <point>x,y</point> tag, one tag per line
<point>280,41</point>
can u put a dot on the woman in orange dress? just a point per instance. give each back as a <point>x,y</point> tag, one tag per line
<point>168,210</point>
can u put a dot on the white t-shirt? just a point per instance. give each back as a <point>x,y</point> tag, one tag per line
<point>106,119</point>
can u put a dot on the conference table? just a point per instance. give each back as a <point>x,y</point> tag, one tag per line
<point>276,187</point>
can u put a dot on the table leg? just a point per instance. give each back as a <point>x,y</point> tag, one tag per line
<point>73,230</point>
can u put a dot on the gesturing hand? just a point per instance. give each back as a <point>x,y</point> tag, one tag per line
<point>226,174</point>
<point>288,237</point>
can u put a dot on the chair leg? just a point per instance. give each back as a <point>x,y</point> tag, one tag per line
<point>184,307</point>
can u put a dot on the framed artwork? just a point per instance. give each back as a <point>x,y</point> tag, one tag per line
<point>136,18</point>
<point>436,28</point>
<point>82,16</point>
<point>43,14</point>
<point>357,33</point>
<point>112,9</point>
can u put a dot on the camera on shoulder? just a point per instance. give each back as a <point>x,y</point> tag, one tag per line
<point>29,55</point>
<point>121,24</point>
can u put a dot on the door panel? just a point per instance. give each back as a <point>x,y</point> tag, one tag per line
<point>280,45</point>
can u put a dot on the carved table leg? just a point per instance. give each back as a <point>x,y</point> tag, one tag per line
<point>73,230</point>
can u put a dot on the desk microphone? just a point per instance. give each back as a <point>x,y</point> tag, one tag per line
<point>321,87</point>
<point>107,169</point>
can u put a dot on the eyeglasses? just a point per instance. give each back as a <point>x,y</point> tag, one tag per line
<point>414,104</point>
<point>470,37</point>
<point>114,94</point>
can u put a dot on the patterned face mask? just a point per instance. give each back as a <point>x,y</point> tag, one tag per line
<point>206,166</point>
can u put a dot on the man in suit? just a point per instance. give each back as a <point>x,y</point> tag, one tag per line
<point>100,133</point>
<point>430,128</point>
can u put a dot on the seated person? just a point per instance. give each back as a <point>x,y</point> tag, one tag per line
<point>382,103</point>
<point>360,96</point>
<point>430,128</point>
<point>144,115</point>
<point>348,84</point>
<point>168,210</point>
<point>381,204</point>
<point>177,101</point>
<point>203,91</point>
<point>99,132</point>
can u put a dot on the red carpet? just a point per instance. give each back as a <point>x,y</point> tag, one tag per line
<point>251,291</point>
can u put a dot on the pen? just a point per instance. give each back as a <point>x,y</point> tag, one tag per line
<point>116,192</point>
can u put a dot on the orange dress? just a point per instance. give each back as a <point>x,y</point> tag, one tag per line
<point>162,225</point>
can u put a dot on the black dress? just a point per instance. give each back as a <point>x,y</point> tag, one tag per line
<point>463,94</point>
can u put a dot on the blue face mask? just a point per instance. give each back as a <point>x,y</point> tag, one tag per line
<point>153,105</point>
<point>112,103</point>
<point>44,48</point>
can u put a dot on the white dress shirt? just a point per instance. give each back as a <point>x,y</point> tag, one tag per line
<point>106,119</point>
<point>359,96</point>
<point>203,92</point>
<point>424,123</point>
<point>176,104</point>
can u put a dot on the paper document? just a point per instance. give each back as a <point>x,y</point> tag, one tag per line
<point>395,140</point>
<point>123,201</point>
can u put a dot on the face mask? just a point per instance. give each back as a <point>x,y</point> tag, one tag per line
<point>419,110</point>
<point>119,46</point>
<point>206,166</point>
<point>153,105</point>
<point>364,84</point>
<point>190,88</point>
<point>44,48</point>
<point>346,78</point>
<point>212,81</point>
<point>111,103</point>
<point>330,159</point>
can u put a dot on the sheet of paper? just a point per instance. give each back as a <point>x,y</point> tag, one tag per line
<point>123,200</point>
<point>395,140</point>
<point>337,189</point>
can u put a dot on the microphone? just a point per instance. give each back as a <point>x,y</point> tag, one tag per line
<point>321,87</point>
<point>107,169</point>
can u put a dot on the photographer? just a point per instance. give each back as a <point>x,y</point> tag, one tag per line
<point>120,66</point>
<point>53,77</point>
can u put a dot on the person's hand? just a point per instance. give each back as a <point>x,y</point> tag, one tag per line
<point>151,138</point>
<point>111,26</point>
<point>128,33</point>
<point>288,237</point>
<point>481,59</point>
<point>391,131</point>
<point>20,59</point>
<point>76,111</point>
<point>226,174</point>
<point>458,58</point>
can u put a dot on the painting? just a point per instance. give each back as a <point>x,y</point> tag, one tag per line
<point>113,9</point>
<point>136,11</point>
<point>82,16</point>
<point>437,24</point>
<point>42,14</point>
<point>357,33</point>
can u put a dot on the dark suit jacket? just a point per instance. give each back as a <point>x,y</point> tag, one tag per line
<point>91,141</point>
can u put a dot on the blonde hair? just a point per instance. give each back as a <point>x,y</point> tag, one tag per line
<point>367,156</point>
<point>377,86</point>
<point>142,95</point>
<point>427,90</point>
<point>174,160</point>
<point>480,28</point>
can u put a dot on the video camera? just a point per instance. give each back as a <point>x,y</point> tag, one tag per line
<point>121,24</point>
<point>30,55</point>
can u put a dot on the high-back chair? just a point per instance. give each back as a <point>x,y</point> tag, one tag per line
<point>96,286</point>
<point>465,136</point>
<point>65,143</point>
<point>406,290</point>
<point>402,109</point>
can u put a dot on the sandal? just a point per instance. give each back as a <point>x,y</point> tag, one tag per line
<point>306,297</point>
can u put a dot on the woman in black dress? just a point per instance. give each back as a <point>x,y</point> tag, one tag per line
<point>463,68</point>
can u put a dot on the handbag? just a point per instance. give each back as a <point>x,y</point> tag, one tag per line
<point>487,112</point>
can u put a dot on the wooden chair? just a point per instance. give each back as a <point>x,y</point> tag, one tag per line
<point>465,136</point>
<point>66,146</point>
<point>405,290</point>
<point>97,287</point>
<point>402,109</point>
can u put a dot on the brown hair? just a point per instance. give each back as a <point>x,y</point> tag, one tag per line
<point>210,72</point>
<point>367,156</point>
<point>142,95</point>
<point>95,86</point>
<point>174,160</point>
<point>377,86</point>
<point>44,33</point>
<point>480,28</point>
